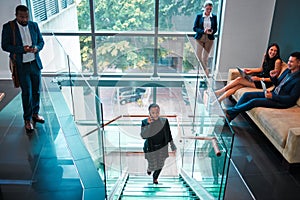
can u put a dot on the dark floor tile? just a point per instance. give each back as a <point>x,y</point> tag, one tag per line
<point>275,186</point>
<point>236,190</point>
<point>10,92</point>
<point>14,192</point>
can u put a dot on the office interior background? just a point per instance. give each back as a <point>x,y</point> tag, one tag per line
<point>98,46</point>
<point>245,29</point>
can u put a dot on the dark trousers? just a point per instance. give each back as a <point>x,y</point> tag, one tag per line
<point>156,173</point>
<point>30,82</point>
<point>251,100</point>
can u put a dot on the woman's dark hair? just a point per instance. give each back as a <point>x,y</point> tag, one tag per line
<point>153,105</point>
<point>21,8</point>
<point>267,57</point>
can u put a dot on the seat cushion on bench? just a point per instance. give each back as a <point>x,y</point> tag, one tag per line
<point>276,123</point>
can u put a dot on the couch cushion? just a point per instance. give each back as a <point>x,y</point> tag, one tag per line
<point>233,74</point>
<point>276,123</point>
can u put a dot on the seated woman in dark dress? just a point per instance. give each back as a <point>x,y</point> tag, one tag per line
<point>271,61</point>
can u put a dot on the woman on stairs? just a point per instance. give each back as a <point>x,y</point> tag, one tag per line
<point>157,134</point>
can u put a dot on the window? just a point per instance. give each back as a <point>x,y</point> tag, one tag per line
<point>43,9</point>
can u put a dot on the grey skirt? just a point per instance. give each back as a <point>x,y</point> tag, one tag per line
<point>156,159</point>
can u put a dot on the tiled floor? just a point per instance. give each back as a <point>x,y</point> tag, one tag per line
<point>38,167</point>
<point>34,166</point>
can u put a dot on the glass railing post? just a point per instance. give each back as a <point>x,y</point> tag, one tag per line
<point>71,85</point>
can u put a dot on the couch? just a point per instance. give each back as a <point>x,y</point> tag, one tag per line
<point>280,126</point>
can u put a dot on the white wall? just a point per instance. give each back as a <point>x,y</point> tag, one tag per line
<point>52,54</point>
<point>7,11</point>
<point>245,34</point>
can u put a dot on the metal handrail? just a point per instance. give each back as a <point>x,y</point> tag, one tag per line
<point>121,116</point>
<point>212,139</point>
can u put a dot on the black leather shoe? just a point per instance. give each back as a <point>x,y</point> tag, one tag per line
<point>155,181</point>
<point>28,126</point>
<point>38,118</point>
<point>149,172</point>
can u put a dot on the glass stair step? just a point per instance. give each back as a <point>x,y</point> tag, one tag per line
<point>150,179</point>
<point>156,194</point>
<point>160,184</point>
<point>161,177</point>
<point>150,189</point>
<point>158,198</point>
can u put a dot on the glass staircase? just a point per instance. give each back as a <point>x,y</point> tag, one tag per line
<point>103,136</point>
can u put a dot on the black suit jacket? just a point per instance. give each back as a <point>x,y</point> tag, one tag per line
<point>157,134</point>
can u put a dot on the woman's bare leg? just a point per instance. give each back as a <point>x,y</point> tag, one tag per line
<point>229,92</point>
<point>238,81</point>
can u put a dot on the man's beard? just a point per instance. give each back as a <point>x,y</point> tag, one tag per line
<point>24,23</point>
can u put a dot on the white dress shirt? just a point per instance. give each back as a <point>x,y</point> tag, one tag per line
<point>26,40</point>
<point>206,22</point>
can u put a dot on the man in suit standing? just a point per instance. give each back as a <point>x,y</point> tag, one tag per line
<point>284,95</point>
<point>23,40</point>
